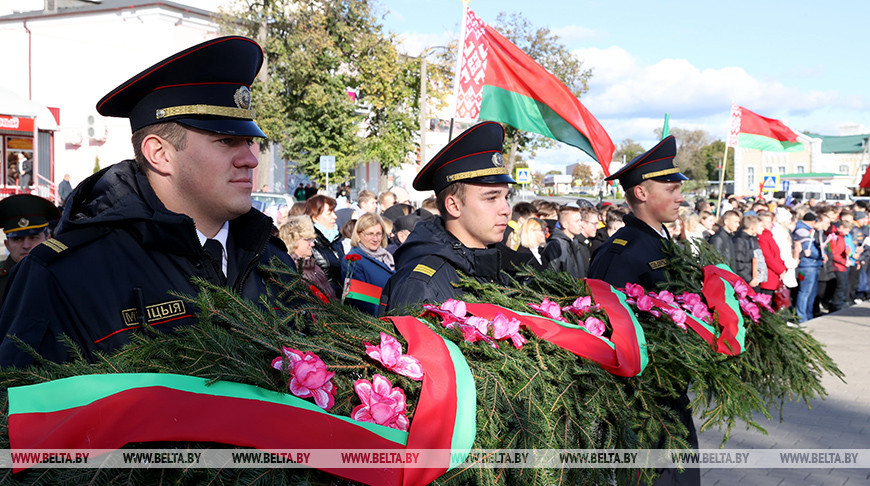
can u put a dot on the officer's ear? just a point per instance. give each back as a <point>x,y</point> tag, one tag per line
<point>159,153</point>
<point>641,191</point>
<point>453,205</point>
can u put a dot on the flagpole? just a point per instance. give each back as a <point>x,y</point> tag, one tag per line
<point>721,182</point>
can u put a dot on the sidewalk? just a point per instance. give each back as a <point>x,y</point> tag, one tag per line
<point>841,421</point>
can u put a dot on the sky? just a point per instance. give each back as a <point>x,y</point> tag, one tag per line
<point>805,63</point>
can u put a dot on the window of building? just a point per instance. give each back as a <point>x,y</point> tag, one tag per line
<point>768,169</point>
<point>800,169</point>
<point>844,169</point>
<point>750,176</point>
<point>781,169</point>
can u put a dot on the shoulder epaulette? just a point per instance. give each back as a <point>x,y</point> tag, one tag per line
<point>427,267</point>
<point>56,247</point>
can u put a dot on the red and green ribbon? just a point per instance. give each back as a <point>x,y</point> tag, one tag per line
<point>625,354</point>
<point>108,411</point>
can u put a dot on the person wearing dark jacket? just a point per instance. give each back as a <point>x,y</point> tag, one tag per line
<point>138,231</point>
<point>374,267</point>
<point>748,258</point>
<point>562,251</point>
<point>328,248</point>
<point>471,185</point>
<point>723,239</point>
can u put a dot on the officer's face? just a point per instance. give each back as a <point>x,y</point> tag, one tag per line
<point>213,178</point>
<point>481,216</point>
<point>19,247</point>
<point>663,200</point>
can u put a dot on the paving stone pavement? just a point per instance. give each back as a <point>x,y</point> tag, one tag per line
<point>840,421</point>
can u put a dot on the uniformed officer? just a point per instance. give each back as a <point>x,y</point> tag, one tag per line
<point>139,230</point>
<point>25,220</point>
<point>471,186</point>
<point>652,184</point>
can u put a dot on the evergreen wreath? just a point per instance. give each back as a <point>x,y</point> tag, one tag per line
<point>540,396</point>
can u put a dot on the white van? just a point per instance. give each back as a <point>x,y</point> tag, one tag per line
<point>820,191</point>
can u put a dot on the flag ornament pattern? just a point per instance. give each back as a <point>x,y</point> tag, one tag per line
<point>498,81</point>
<point>751,130</point>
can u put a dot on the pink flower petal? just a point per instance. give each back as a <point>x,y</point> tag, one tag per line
<point>595,326</point>
<point>409,366</point>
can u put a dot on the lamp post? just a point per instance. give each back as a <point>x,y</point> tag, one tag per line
<point>424,99</point>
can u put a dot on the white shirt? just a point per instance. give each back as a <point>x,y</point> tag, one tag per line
<point>221,236</point>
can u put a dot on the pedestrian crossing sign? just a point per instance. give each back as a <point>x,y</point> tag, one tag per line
<point>769,182</point>
<point>524,175</point>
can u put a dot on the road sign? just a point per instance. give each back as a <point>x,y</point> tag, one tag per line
<point>327,163</point>
<point>524,176</point>
<point>769,182</point>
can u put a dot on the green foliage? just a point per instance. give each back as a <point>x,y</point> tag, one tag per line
<point>316,53</point>
<point>627,150</point>
<point>537,397</point>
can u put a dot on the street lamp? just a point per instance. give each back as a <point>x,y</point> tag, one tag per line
<point>424,101</point>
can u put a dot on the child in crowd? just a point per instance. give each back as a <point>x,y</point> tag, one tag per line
<point>748,258</point>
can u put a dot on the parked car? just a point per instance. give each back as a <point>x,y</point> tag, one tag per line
<point>269,203</point>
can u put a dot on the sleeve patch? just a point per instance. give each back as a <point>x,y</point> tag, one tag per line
<point>428,271</point>
<point>655,265</point>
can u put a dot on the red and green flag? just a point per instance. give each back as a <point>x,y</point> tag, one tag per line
<point>751,130</point>
<point>366,292</point>
<point>497,81</point>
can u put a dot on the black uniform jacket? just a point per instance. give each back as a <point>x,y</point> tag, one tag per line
<point>117,254</point>
<point>633,254</point>
<point>427,265</point>
<point>564,254</point>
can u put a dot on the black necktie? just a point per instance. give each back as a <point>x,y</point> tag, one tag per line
<point>215,252</point>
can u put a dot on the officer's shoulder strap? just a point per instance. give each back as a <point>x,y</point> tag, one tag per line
<point>427,267</point>
<point>62,245</point>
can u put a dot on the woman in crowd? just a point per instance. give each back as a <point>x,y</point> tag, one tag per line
<point>298,234</point>
<point>375,264</point>
<point>328,251</point>
<point>533,236</point>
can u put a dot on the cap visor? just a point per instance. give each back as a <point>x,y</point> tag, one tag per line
<point>240,128</point>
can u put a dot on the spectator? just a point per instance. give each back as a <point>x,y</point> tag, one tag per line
<point>403,227</point>
<point>562,250</point>
<point>781,231</point>
<point>772,254</point>
<point>375,266</point>
<point>533,237</point>
<point>811,259</point>
<point>722,240</point>
<point>64,189</point>
<point>366,202</point>
<point>519,214</point>
<point>549,212</point>
<point>299,193</point>
<point>386,200</point>
<point>328,250</point>
<point>708,221</point>
<point>841,245</point>
<point>298,234</point>
<point>612,222</point>
<point>748,258</point>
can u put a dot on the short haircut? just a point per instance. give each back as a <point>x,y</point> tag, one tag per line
<point>173,132</point>
<point>295,229</point>
<point>546,208</point>
<point>314,205</point>
<point>767,216</point>
<point>614,216</point>
<point>431,204</point>
<point>522,209</point>
<point>382,197</point>
<point>456,189</point>
<point>366,221</point>
<point>566,209</point>
<point>749,221</point>
<point>729,214</point>
<point>365,196</point>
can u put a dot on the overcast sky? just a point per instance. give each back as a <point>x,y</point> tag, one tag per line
<point>803,62</point>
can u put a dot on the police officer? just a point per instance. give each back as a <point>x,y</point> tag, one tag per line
<point>471,186</point>
<point>25,220</point>
<point>138,230</point>
<point>652,184</point>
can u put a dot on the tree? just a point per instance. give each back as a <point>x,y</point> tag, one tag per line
<point>334,84</point>
<point>544,47</point>
<point>690,159</point>
<point>712,155</point>
<point>584,174</point>
<point>627,150</point>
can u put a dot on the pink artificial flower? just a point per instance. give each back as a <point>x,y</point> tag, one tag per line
<point>549,309</point>
<point>645,303</point>
<point>389,354</point>
<point>581,306</point>
<point>689,300</point>
<point>479,323</point>
<point>504,328</point>
<point>751,309</point>
<point>701,311</point>
<point>741,287</point>
<point>664,296</point>
<point>634,291</point>
<point>595,326</point>
<point>763,300</point>
<point>381,403</point>
<point>456,307</point>
<point>451,311</point>
<point>309,377</point>
<point>679,316</point>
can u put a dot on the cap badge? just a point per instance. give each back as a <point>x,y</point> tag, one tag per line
<point>23,223</point>
<point>497,159</point>
<point>242,97</point>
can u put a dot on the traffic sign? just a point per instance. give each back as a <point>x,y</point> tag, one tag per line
<point>769,182</point>
<point>327,163</point>
<point>524,176</point>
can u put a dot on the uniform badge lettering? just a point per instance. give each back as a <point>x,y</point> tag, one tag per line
<point>655,265</point>
<point>155,312</point>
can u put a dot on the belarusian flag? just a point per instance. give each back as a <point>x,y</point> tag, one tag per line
<point>497,81</point>
<point>750,130</point>
<point>366,292</point>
